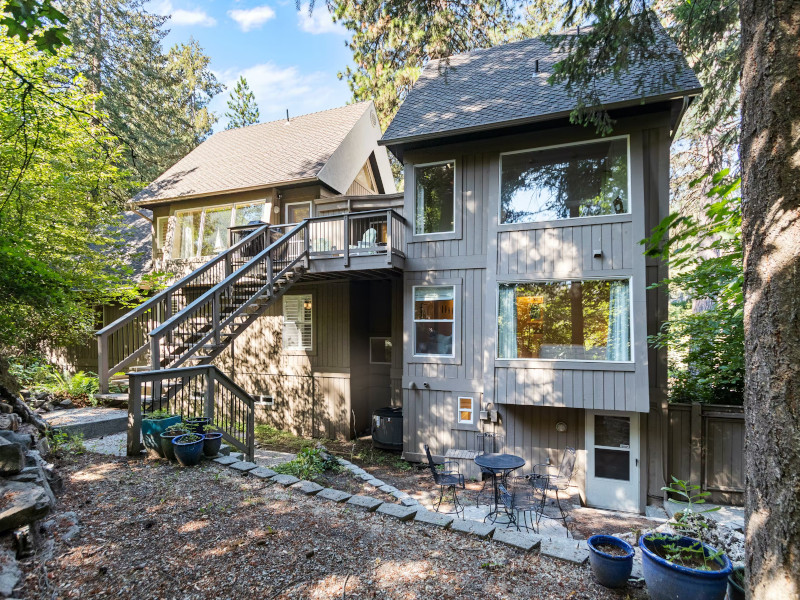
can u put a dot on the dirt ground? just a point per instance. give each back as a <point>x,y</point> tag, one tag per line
<point>153,530</point>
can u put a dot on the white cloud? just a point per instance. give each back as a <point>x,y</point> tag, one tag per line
<point>278,88</point>
<point>320,21</point>
<point>183,17</point>
<point>252,18</point>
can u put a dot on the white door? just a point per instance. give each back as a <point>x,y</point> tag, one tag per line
<point>612,460</point>
<point>298,211</point>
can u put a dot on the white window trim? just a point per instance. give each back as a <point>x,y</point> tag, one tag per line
<point>374,362</point>
<point>310,323</point>
<point>563,360</point>
<point>288,204</point>
<point>452,231</point>
<point>471,420</point>
<point>161,223</point>
<point>414,320</point>
<point>569,220</point>
<point>202,209</point>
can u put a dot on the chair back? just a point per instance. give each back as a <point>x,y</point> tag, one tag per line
<point>489,443</point>
<point>370,236</point>
<point>567,466</point>
<point>431,464</point>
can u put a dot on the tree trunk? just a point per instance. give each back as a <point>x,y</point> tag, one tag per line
<point>770,155</point>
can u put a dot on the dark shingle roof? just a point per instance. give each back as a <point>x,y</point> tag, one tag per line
<point>498,86</point>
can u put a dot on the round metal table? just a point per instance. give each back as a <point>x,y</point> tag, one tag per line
<point>498,464</point>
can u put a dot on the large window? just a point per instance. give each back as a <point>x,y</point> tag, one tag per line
<point>204,231</point>
<point>572,320</point>
<point>297,322</point>
<point>433,320</point>
<point>578,180</point>
<point>434,198</point>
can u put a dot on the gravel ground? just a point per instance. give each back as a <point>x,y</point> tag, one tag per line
<point>152,530</point>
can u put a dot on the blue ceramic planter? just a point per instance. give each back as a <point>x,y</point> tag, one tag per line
<point>212,443</point>
<point>188,453</point>
<point>668,581</point>
<point>611,571</point>
<point>151,433</point>
<point>735,591</point>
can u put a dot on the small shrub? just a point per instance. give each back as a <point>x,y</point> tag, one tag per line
<point>309,464</point>
<point>62,442</point>
<point>177,429</point>
<point>157,415</point>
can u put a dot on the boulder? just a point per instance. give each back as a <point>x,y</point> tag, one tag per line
<point>10,573</point>
<point>12,458</point>
<point>11,422</point>
<point>66,404</point>
<point>21,503</point>
<point>23,440</point>
<point>6,408</point>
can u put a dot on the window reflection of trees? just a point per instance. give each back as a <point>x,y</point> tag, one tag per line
<point>567,182</point>
<point>434,198</point>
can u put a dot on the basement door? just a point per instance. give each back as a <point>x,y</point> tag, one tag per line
<point>612,460</point>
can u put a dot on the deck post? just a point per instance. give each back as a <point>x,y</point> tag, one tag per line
<point>209,396</point>
<point>346,223</point>
<point>307,245</point>
<point>134,415</point>
<point>102,362</point>
<point>215,317</point>
<point>389,224</point>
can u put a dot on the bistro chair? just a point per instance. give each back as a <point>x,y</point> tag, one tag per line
<point>526,501</point>
<point>487,443</point>
<point>449,481</point>
<point>507,499</point>
<point>545,479</point>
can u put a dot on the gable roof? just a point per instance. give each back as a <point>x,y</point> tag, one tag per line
<point>498,87</point>
<point>318,146</point>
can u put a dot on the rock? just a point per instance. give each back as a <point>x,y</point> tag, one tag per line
<point>66,404</point>
<point>401,513</point>
<point>516,539</point>
<point>433,518</point>
<point>227,460</point>
<point>285,480</point>
<point>6,408</point>
<point>24,440</point>
<point>22,503</point>
<point>43,446</point>
<point>243,466</point>
<point>42,395</point>
<point>568,550</point>
<point>12,458</point>
<point>367,502</point>
<point>11,422</point>
<point>262,473</point>
<point>9,573</point>
<point>482,530</point>
<point>69,522</point>
<point>309,488</point>
<point>333,495</point>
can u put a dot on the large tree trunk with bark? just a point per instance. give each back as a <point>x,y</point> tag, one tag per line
<point>770,153</point>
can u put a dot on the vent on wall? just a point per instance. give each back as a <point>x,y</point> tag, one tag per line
<point>264,400</point>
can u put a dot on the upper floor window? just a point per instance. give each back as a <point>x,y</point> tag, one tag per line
<point>204,231</point>
<point>433,320</point>
<point>563,182</point>
<point>297,322</point>
<point>572,320</point>
<point>434,198</point>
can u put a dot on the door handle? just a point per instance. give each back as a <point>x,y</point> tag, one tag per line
<point>637,462</point>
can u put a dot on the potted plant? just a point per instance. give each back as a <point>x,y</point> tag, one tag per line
<point>213,440</point>
<point>611,559</point>
<point>196,424</point>
<point>677,567</point>
<point>188,448</point>
<point>169,434</point>
<point>736,584</point>
<point>153,424</point>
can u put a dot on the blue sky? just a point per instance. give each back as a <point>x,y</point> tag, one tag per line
<point>290,59</point>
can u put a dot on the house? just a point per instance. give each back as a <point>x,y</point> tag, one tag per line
<point>525,289</point>
<point>505,290</point>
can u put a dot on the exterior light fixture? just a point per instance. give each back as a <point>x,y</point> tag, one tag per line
<point>307,304</point>
<point>561,427</point>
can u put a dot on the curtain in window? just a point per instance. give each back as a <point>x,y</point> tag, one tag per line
<point>507,323</point>
<point>619,322</point>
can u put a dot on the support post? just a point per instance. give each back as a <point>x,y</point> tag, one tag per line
<point>209,395</point>
<point>346,222</point>
<point>215,317</point>
<point>696,457</point>
<point>307,245</point>
<point>102,362</point>
<point>155,353</point>
<point>134,415</point>
<point>270,275</point>
<point>389,224</point>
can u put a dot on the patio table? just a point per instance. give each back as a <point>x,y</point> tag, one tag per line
<point>498,464</point>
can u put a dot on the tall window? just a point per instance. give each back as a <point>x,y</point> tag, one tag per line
<point>433,320</point>
<point>297,322</point>
<point>579,180</point>
<point>204,231</point>
<point>574,320</point>
<point>434,198</point>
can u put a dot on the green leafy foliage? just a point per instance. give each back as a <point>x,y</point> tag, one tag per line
<point>37,22</point>
<point>309,464</point>
<point>62,443</point>
<point>157,415</point>
<point>705,330</point>
<point>43,377</point>
<point>242,108</point>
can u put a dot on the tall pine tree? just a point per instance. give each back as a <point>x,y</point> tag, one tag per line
<point>242,107</point>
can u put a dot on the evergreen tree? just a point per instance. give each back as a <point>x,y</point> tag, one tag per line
<point>242,107</point>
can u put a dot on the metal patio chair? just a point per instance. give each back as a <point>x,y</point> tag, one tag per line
<point>449,481</point>
<point>487,443</point>
<point>526,501</point>
<point>545,479</point>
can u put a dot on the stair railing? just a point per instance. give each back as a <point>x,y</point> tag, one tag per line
<point>126,340</point>
<point>204,323</point>
<point>201,391</point>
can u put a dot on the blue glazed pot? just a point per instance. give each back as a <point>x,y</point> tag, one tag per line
<point>611,571</point>
<point>735,591</point>
<point>212,443</point>
<point>188,453</point>
<point>151,433</point>
<point>668,581</point>
<point>166,444</point>
<point>196,424</point>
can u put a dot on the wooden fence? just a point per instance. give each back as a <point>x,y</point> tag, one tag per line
<point>706,446</point>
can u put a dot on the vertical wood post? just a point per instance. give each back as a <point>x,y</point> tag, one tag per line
<point>208,409</point>
<point>696,441</point>
<point>346,223</point>
<point>102,362</point>
<point>270,275</point>
<point>389,224</point>
<point>134,415</point>
<point>228,269</point>
<point>155,353</point>
<point>307,244</point>
<point>215,317</point>
<point>251,431</point>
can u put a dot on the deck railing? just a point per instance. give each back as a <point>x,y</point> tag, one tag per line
<point>126,340</point>
<point>202,391</point>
